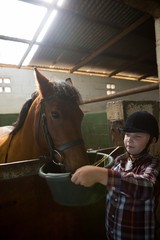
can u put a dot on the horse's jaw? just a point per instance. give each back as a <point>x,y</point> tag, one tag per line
<point>74,161</point>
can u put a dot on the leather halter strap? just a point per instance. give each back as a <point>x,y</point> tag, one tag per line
<point>69,145</point>
<point>54,150</point>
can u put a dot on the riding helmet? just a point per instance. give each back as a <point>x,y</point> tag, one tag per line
<point>142,121</point>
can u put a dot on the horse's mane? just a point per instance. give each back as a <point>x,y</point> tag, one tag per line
<point>23,113</point>
<point>61,90</point>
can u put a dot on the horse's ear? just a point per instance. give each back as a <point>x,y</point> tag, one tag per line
<point>69,81</point>
<point>44,84</point>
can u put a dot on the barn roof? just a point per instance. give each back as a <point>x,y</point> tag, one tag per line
<point>102,37</point>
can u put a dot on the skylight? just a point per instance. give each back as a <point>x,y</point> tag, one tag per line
<point>47,25</point>
<point>11,52</point>
<point>30,55</point>
<point>21,21</point>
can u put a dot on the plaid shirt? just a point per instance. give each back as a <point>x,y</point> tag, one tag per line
<point>131,199</point>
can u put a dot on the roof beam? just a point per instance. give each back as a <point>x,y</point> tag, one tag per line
<point>151,74</point>
<point>151,7</point>
<point>131,63</point>
<point>143,77</point>
<point>112,41</point>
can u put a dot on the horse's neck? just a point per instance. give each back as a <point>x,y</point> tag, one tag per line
<point>24,145</point>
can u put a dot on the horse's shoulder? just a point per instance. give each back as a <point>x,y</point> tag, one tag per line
<point>5,130</point>
<point>4,141</point>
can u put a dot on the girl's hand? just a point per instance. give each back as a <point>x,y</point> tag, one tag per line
<point>89,175</point>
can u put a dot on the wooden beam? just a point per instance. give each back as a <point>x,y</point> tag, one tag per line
<point>20,168</point>
<point>151,7</point>
<point>131,63</point>
<point>143,77</point>
<point>112,41</point>
<point>146,88</point>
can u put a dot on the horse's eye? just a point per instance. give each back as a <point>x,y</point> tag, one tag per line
<point>55,115</point>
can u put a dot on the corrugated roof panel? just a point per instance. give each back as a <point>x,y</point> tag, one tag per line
<point>53,56</point>
<point>82,30</point>
<point>79,32</point>
<point>104,62</point>
<point>112,11</point>
<point>45,55</point>
<point>130,47</point>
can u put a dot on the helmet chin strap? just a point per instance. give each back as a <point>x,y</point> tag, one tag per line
<point>144,151</point>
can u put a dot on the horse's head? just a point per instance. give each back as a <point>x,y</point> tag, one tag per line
<point>59,117</point>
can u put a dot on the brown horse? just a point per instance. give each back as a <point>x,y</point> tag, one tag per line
<point>49,125</point>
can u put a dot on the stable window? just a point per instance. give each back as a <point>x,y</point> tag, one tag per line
<point>7,89</point>
<point>5,85</point>
<point>110,88</point>
<point>6,80</point>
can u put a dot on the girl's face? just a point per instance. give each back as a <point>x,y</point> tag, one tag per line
<point>135,142</point>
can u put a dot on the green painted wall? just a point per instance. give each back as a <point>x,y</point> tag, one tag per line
<point>8,119</point>
<point>95,130</point>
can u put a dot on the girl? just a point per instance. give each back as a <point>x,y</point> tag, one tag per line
<point>132,183</point>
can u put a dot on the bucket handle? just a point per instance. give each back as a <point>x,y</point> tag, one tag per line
<point>105,156</point>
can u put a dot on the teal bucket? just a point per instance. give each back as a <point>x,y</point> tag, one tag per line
<point>67,193</point>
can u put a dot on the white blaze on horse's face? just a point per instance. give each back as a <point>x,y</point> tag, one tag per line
<point>63,120</point>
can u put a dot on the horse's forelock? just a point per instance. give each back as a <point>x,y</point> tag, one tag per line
<point>60,90</point>
<point>67,91</point>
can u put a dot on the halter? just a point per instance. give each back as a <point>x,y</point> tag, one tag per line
<point>54,150</point>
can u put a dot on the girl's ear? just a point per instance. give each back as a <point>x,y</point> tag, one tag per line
<point>154,140</point>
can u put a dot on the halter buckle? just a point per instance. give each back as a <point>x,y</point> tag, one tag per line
<point>60,157</point>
